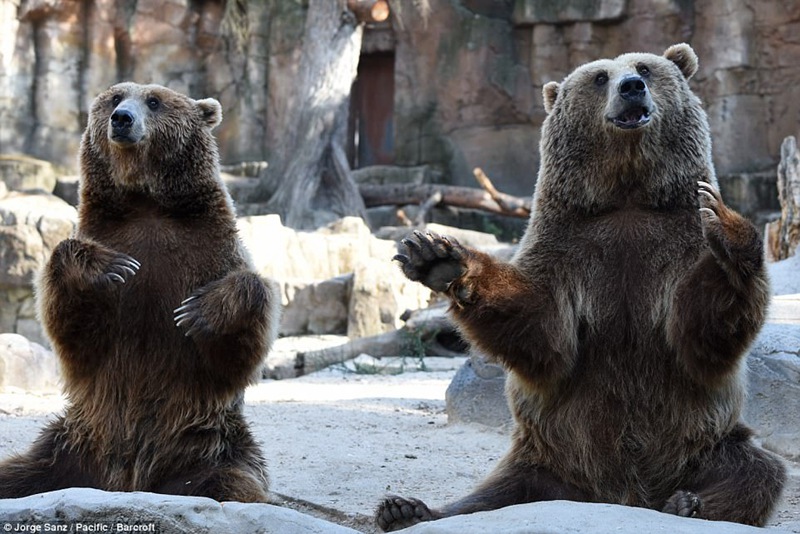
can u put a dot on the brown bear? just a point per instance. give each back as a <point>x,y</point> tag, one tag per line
<point>625,316</point>
<point>155,313</point>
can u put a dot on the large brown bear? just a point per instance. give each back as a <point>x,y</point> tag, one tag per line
<point>155,313</point>
<point>625,316</point>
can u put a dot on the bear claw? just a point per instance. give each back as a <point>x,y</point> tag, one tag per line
<point>188,314</point>
<point>121,268</point>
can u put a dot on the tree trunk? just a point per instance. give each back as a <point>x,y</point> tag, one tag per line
<point>783,235</point>
<point>310,185</point>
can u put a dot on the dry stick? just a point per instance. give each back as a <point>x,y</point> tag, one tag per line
<point>426,206</point>
<point>507,203</point>
<point>462,197</point>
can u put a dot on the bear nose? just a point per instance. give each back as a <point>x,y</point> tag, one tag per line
<point>121,119</point>
<point>632,88</point>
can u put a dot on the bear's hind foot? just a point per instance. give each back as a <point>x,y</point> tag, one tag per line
<point>684,504</point>
<point>395,513</point>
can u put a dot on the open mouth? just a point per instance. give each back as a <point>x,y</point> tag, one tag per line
<point>633,117</point>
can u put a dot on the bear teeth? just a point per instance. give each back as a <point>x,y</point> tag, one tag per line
<point>633,117</point>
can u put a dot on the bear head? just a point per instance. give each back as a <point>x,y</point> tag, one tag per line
<point>626,125</point>
<point>138,135</point>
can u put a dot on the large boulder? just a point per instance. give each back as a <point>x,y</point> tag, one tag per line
<point>564,517</point>
<point>773,403</point>
<point>477,394</point>
<point>24,173</point>
<point>27,365</point>
<point>165,514</point>
<point>341,268</point>
<point>31,225</point>
<point>315,307</point>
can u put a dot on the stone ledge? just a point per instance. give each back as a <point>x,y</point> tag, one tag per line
<point>564,517</point>
<point>172,514</point>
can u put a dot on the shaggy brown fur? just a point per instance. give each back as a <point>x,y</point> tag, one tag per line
<point>624,318</point>
<point>154,312</point>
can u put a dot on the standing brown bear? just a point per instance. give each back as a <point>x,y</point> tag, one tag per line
<point>625,316</point>
<point>155,313</point>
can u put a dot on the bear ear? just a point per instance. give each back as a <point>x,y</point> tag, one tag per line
<point>210,111</point>
<point>684,57</point>
<point>550,93</point>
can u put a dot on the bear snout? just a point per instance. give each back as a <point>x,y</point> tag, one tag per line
<point>632,106</point>
<point>124,126</point>
<point>632,88</point>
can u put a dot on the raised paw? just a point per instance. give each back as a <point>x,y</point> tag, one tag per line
<point>395,513</point>
<point>732,238</point>
<point>236,303</point>
<point>435,261</point>
<point>684,504</point>
<point>90,264</point>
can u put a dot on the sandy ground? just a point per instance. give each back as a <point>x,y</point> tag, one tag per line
<point>336,441</point>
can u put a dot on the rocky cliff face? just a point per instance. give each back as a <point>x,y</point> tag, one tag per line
<point>56,55</point>
<point>468,73</point>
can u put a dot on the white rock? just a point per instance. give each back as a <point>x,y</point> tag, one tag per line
<point>171,514</point>
<point>564,517</point>
<point>24,173</point>
<point>380,294</point>
<point>26,365</point>
<point>315,307</point>
<point>773,399</point>
<point>785,276</point>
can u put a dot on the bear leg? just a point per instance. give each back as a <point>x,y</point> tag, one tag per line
<point>51,464</point>
<point>739,482</point>
<point>511,483</point>
<point>219,483</point>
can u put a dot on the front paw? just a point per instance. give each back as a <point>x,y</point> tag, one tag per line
<point>91,264</point>
<point>732,238</point>
<point>435,261</point>
<point>233,304</point>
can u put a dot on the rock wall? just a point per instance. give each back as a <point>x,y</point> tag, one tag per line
<point>56,55</point>
<point>469,81</point>
<point>468,73</point>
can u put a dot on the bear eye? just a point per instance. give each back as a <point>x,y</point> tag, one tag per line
<point>115,100</point>
<point>601,79</point>
<point>153,103</point>
<point>643,70</point>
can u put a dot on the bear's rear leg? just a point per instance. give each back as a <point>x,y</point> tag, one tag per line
<point>49,465</point>
<point>220,484</point>
<point>509,484</point>
<point>740,482</point>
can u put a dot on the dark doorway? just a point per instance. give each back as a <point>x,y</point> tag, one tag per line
<point>371,128</point>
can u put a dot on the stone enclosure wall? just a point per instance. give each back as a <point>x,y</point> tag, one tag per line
<point>467,73</point>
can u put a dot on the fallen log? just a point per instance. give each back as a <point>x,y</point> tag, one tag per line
<point>458,196</point>
<point>426,333</point>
